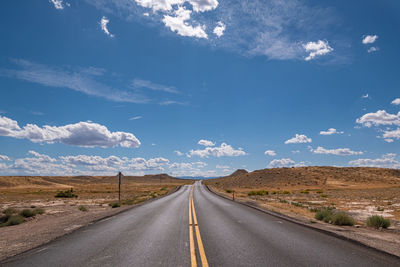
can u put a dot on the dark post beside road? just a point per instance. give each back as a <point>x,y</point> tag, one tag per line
<point>119,187</point>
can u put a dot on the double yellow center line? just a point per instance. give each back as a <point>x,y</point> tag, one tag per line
<point>203,257</point>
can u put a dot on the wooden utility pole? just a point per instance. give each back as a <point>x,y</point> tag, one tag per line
<point>119,187</point>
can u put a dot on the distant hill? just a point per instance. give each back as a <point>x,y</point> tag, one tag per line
<point>311,176</point>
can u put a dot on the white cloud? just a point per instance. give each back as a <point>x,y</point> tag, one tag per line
<point>178,153</point>
<point>222,167</point>
<point>223,150</point>
<point>330,131</point>
<point>135,118</point>
<point>139,83</point>
<point>270,153</point>
<point>396,101</point>
<point>295,151</point>
<point>103,24</point>
<point>381,117</point>
<point>173,102</point>
<point>298,139</point>
<point>4,157</point>
<point>337,151</point>
<point>85,134</point>
<point>206,143</point>
<point>284,162</point>
<point>369,39</point>
<point>179,24</point>
<point>389,135</point>
<point>79,79</point>
<point>373,49</point>
<point>384,162</point>
<point>58,4</point>
<point>219,29</point>
<point>365,96</point>
<point>203,5</point>
<point>315,49</point>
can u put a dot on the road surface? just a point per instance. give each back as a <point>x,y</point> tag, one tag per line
<point>195,227</point>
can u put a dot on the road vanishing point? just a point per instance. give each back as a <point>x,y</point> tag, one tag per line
<point>194,227</point>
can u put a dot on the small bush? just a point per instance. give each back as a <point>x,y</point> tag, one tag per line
<point>39,210</point>
<point>380,209</point>
<point>33,206</point>
<point>342,218</point>
<point>286,192</point>
<point>27,213</point>
<point>324,195</point>
<point>319,191</point>
<point>14,220</point>
<point>163,189</point>
<point>378,222</point>
<point>307,191</point>
<point>115,204</point>
<point>324,215</point>
<point>258,193</point>
<point>10,211</point>
<point>228,190</point>
<point>82,208</point>
<point>66,194</point>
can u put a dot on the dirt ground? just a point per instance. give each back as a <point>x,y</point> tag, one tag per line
<point>63,215</point>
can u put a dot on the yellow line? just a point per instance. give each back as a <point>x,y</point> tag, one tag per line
<point>192,251</point>
<point>198,237</point>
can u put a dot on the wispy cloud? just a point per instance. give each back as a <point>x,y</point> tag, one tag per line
<point>173,102</point>
<point>136,118</point>
<point>276,29</point>
<point>58,4</point>
<point>139,83</point>
<point>84,80</point>
<point>103,24</point>
<point>336,151</point>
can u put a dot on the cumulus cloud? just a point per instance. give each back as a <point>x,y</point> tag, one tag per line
<point>83,80</point>
<point>221,151</point>
<point>381,117</point>
<point>270,153</point>
<point>383,162</point>
<point>330,131</point>
<point>337,151</point>
<point>85,134</point>
<point>206,143</point>
<point>103,24</point>
<point>58,4</point>
<point>219,29</point>
<point>284,162</point>
<point>389,135</point>
<point>315,49</point>
<point>4,157</point>
<point>179,24</point>
<point>298,139</point>
<point>139,83</point>
<point>178,153</point>
<point>396,101</point>
<point>369,39</point>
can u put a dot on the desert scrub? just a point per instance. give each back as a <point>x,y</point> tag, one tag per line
<point>324,215</point>
<point>378,222</point>
<point>324,195</point>
<point>13,220</point>
<point>306,191</point>
<point>39,210</point>
<point>115,204</point>
<point>82,208</point>
<point>228,190</point>
<point>258,193</point>
<point>10,211</point>
<point>285,192</point>
<point>66,194</point>
<point>342,218</point>
<point>380,209</point>
<point>27,213</point>
<point>319,191</point>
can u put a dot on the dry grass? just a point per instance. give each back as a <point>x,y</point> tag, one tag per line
<point>361,192</point>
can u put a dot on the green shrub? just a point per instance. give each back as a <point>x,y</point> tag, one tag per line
<point>115,204</point>
<point>10,211</point>
<point>82,208</point>
<point>380,209</point>
<point>324,195</point>
<point>14,220</point>
<point>33,206</point>
<point>307,191</point>
<point>66,194</point>
<point>286,192</point>
<point>27,213</point>
<point>342,218</point>
<point>163,188</point>
<point>319,191</point>
<point>39,210</point>
<point>324,215</point>
<point>228,190</point>
<point>258,193</point>
<point>378,222</point>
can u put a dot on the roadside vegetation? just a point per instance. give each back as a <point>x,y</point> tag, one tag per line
<point>12,216</point>
<point>66,194</point>
<point>378,222</point>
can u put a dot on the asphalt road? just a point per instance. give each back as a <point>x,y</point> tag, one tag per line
<point>222,233</point>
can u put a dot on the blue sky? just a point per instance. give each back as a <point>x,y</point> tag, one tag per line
<point>197,87</point>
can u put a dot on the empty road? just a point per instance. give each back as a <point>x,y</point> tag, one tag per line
<point>194,227</point>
